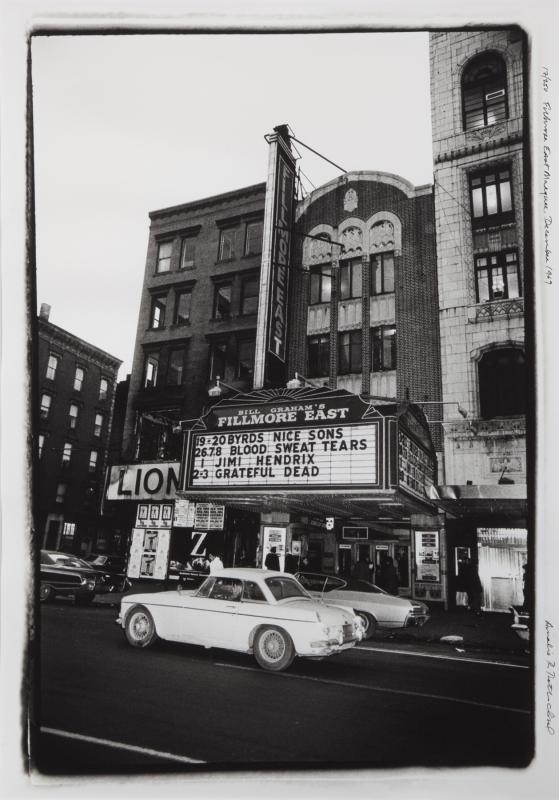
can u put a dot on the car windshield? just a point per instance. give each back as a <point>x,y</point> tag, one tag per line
<point>46,558</point>
<point>282,588</point>
<point>62,560</point>
<point>315,582</point>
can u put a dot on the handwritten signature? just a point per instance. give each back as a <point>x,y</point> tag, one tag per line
<point>550,677</point>
<point>546,81</point>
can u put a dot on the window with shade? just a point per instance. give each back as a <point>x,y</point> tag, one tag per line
<point>320,285</point>
<point>349,352</point>
<point>245,359</point>
<point>188,253</point>
<point>318,356</point>
<point>93,458</point>
<point>157,314</point>
<point>175,367</point>
<point>79,375</point>
<point>253,238</point>
<point>51,367</point>
<point>227,244</point>
<point>502,383</point>
<point>73,415</point>
<point>164,253</point>
<point>103,389</point>
<point>66,453</point>
<point>151,370</point>
<point>382,273</point>
<point>222,301</point>
<point>497,276</point>
<point>46,401</point>
<point>350,279</point>
<point>182,307</point>
<point>491,198</point>
<point>98,425</point>
<point>484,92</point>
<point>250,289</point>
<point>383,348</point>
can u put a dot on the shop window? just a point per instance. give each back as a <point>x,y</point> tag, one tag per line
<point>79,375</point>
<point>497,277</point>
<point>73,415</point>
<point>51,367</point>
<point>93,458</point>
<point>218,360</point>
<point>98,425</point>
<point>46,401</point>
<point>227,244</point>
<point>67,453</point>
<point>382,273</point>
<point>349,352</point>
<point>151,370</point>
<point>188,253</point>
<point>222,301</point>
<point>175,369</point>
<point>157,313</point>
<point>250,290</point>
<point>182,307</point>
<point>164,253</point>
<point>253,238</point>
<point>103,389</point>
<point>321,284</point>
<point>383,348</point>
<point>245,359</point>
<point>484,92</point>
<point>318,353</point>
<point>350,279</point>
<point>491,198</point>
<point>502,383</point>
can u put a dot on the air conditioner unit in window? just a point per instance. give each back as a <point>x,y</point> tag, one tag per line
<point>495,95</point>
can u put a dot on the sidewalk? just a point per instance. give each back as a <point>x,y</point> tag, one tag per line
<point>490,631</point>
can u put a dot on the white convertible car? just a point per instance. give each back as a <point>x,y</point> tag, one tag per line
<point>376,607</point>
<point>258,611</point>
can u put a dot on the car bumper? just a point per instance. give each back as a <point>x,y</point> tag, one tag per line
<point>416,620</point>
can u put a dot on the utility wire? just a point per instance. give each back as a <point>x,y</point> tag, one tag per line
<point>318,154</point>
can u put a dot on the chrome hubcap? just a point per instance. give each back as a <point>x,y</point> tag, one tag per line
<point>140,626</point>
<point>273,646</point>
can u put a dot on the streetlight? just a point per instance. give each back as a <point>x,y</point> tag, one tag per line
<point>299,381</point>
<point>216,391</point>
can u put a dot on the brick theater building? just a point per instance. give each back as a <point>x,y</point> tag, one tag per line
<point>76,391</point>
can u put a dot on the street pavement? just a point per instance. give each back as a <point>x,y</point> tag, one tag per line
<point>104,706</point>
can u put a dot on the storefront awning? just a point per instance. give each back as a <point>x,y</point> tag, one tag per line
<point>386,507</point>
<point>503,500</point>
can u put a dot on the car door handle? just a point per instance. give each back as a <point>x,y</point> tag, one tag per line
<point>232,607</point>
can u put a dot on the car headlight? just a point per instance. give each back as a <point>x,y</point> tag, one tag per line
<point>90,584</point>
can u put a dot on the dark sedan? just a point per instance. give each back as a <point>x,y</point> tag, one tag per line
<point>113,568</point>
<point>67,575</point>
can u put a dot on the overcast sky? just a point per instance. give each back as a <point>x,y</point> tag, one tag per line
<point>124,125</point>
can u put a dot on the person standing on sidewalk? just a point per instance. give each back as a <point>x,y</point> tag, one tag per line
<point>272,560</point>
<point>474,588</point>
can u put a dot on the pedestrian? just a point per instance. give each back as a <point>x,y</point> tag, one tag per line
<point>216,564</point>
<point>361,569</point>
<point>291,563</point>
<point>474,588</point>
<point>390,576</point>
<point>272,560</point>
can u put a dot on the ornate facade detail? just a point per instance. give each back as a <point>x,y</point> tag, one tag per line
<point>352,240</point>
<point>499,308</point>
<point>350,200</point>
<point>489,132</point>
<point>382,236</point>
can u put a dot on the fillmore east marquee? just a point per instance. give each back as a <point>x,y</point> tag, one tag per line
<point>293,458</point>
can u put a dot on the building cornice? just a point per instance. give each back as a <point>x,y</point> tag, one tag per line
<point>247,191</point>
<point>71,343</point>
<point>479,147</point>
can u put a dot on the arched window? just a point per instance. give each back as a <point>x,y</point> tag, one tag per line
<point>484,91</point>
<point>502,383</point>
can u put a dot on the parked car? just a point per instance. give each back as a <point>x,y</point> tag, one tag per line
<point>258,611</point>
<point>377,608</point>
<point>113,568</point>
<point>521,623</point>
<point>68,575</point>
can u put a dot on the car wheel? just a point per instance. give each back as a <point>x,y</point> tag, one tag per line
<point>83,599</point>
<point>140,627</point>
<point>273,649</point>
<point>45,593</point>
<point>369,624</point>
